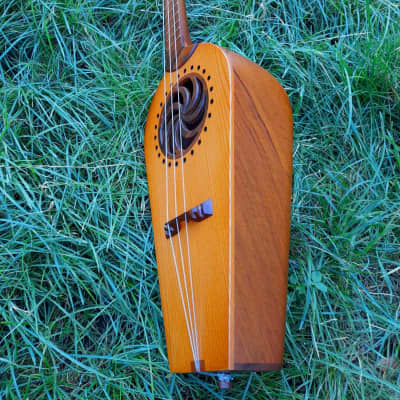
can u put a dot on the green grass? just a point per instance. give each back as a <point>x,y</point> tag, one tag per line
<point>80,310</point>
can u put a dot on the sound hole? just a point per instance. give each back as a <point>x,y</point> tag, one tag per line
<point>182,118</point>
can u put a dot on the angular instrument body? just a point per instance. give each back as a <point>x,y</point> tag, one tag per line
<point>222,280</point>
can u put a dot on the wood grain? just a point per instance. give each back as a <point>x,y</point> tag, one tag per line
<point>239,256</point>
<point>178,46</point>
<point>206,175</point>
<point>262,135</point>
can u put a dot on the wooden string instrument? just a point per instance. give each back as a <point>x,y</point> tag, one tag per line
<point>218,148</point>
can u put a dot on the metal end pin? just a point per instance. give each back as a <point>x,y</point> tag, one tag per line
<point>224,381</point>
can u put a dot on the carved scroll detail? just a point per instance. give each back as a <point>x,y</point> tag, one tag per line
<point>190,103</point>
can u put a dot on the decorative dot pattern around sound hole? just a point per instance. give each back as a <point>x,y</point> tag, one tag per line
<point>190,101</point>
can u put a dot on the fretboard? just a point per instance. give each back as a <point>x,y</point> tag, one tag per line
<point>176,32</point>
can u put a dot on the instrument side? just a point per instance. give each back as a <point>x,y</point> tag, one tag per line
<point>262,175</point>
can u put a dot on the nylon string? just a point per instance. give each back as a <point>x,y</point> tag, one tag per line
<point>175,191</point>
<point>195,331</point>
<point>187,314</point>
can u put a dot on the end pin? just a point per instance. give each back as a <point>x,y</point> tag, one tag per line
<point>224,381</point>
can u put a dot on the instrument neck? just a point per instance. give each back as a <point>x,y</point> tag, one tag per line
<point>177,37</point>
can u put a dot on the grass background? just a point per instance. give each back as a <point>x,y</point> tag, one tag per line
<point>79,302</point>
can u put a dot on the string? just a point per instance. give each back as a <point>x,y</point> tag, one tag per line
<point>197,362</point>
<point>167,195</point>
<point>175,191</point>
<point>166,176</point>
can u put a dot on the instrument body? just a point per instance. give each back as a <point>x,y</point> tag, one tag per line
<point>223,280</point>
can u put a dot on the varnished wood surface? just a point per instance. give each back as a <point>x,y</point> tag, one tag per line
<point>178,46</point>
<point>239,255</point>
<point>206,177</point>
<point>262,137</point>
